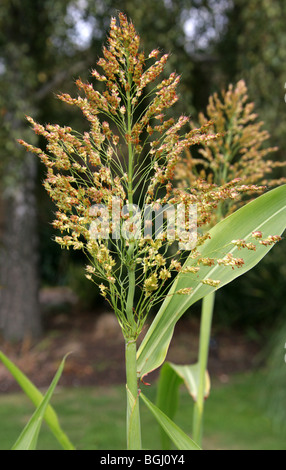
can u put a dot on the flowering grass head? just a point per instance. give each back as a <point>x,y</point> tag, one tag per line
<point>125,163</point>
<point>240,154</point>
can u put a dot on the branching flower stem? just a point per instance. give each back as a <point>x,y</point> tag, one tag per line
<point>130,267</point>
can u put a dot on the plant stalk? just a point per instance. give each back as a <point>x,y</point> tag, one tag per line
<point>130,300</point>
<point>133,411</point>
<point>205,332</point>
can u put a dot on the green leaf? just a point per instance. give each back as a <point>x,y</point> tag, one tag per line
<point>181,440</point>
<point>190,376</point>
<point>37,397</point>
<point>29,437</point>
<point>170,379</point>
<point>267,214</point>
<point>168,397</point>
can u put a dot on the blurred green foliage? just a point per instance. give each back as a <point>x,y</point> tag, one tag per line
<point>253,47</point>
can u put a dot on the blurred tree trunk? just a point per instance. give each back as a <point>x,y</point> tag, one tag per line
<point>30,58</point>
<point>19,307</point>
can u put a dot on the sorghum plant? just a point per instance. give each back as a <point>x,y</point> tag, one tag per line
<point>128,158</point>
<point>239,152</point>
<point>123,164</point>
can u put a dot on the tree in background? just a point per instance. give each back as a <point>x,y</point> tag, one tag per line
<point>29,55</point>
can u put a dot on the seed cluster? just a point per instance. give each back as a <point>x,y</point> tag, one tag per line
<point>240,153</point>
<point>129,155</point>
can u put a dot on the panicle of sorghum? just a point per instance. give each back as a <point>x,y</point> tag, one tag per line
<point>129,154</point>
<point>239,153</point>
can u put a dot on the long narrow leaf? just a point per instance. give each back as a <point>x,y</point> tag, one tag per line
<point>267,214</point>
<point>37,397</point>
<point>181,440</point>
<point>168,397</point>
<point>29,437</point>
<point>190,376</point>
<point>170,379</point>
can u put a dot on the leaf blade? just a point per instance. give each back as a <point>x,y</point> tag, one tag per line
<point>181,440</point>
<point>267,213</point>
<point>190,376</point>
<point>168,397</point>
<point>29,436</point>
<point>36,397</point>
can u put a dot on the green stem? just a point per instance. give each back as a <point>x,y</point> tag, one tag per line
<point>130,266</point>
<point>130,298</point>
<point>205,332</point>
<point>133,411</point>
<point>130,148</point>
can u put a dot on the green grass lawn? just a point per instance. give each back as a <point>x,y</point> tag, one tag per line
<point>94,418</point>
